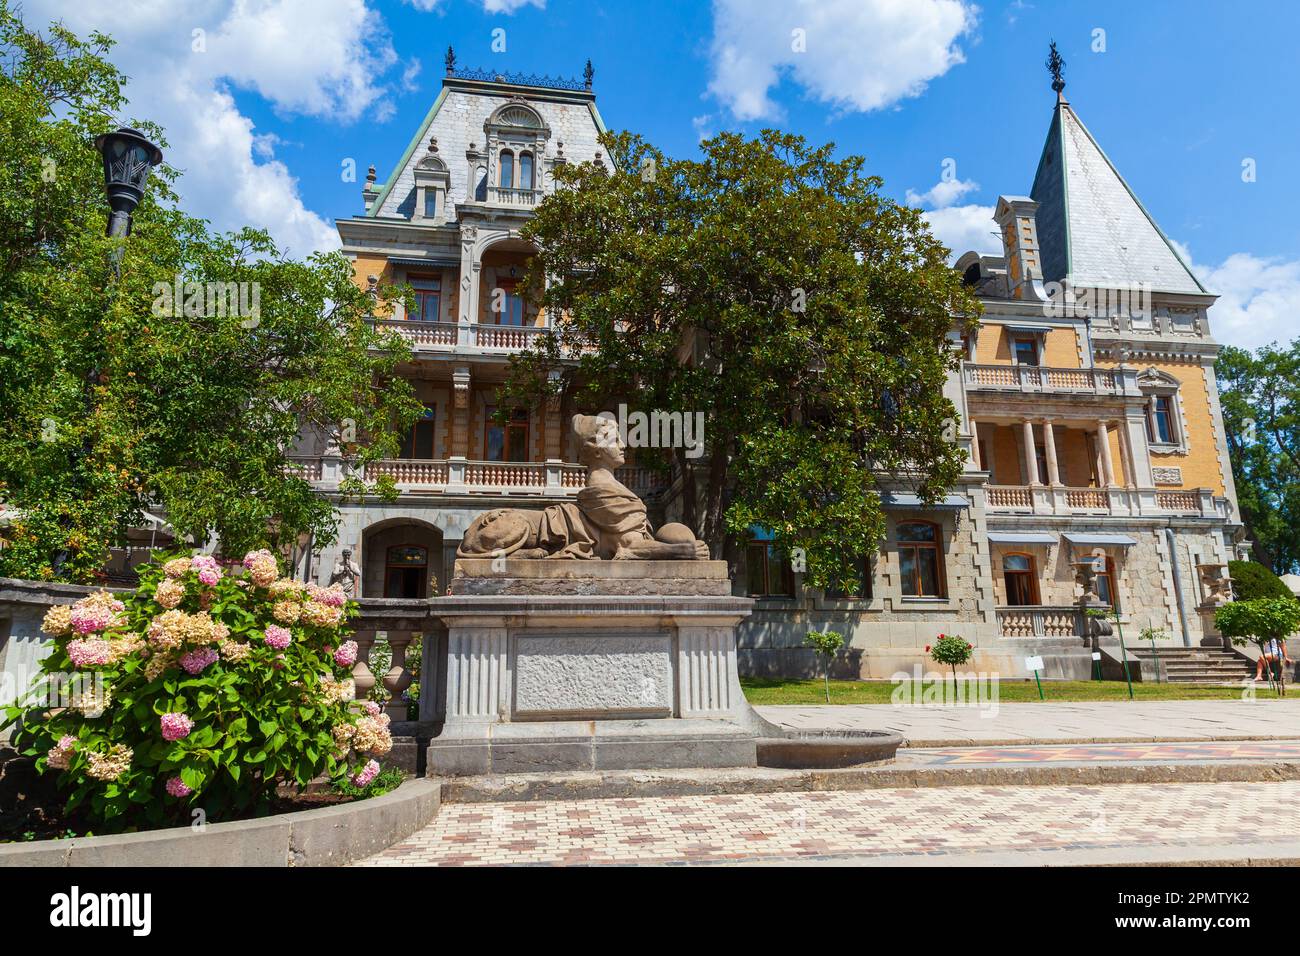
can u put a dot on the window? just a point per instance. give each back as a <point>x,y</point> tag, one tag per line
<point>920,560</point>
<point>1021,580</point>
<point>428,299</point>
<point>508,442</point>
<point>406,569</point>
<point>419,440</point>
<point>1160,421</point>
<point>1025,350</point>
<point>507,169</point>
<point>430,203</point>
<point>511,304</point>
<point>859,588</point>
<point>1106,581</point>
<point>526,171</point>
<point>768,571</point>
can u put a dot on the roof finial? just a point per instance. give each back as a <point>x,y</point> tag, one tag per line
<point>1056,66</point>
<point>587,74</point>
<point>450,60</point>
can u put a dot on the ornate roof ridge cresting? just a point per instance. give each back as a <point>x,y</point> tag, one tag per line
<point>539,81</point>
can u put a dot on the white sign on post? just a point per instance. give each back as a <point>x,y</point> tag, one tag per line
<point>1096,655</point>
<point>1033,663</point>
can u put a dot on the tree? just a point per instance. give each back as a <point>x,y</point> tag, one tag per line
<point>769,287</point>
<point>1261,415</point>
<point>1251,580</point>
<point>1261,620</point>
<point>827,644</point>
<point>121,396</point>
<point>951,649</point>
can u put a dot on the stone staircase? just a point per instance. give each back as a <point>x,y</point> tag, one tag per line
<point>1193,665</point>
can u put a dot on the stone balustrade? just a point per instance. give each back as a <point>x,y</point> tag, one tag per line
<point>1117,501</point>
<point>1040,621</point>
<point>1042,379</point>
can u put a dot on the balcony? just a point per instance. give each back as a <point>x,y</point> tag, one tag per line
<point>505,196</point>
<point>463,477</point>
<point>1063,500</point>
<point>449,336</point>
<point>1040,380</point>
<point>1038,621</point>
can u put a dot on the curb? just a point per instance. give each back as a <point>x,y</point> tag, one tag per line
<point>328,836</point>
<point>626,784</point>
<point>945,742</point>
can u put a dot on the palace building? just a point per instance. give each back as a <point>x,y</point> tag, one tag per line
<point>1087,398</point>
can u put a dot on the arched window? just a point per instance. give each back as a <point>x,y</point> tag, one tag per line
<point>920,559</point>
<point>1021,580</point>
<point>526,171</point>
<point>507,169</point>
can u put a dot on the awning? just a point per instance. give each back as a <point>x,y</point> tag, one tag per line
<point>1095,539</point>
<point>1021,537</point>
<point>433,262</point>
<point>1029,329</point>
<point>893,499</point>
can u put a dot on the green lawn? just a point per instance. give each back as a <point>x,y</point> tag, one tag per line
<point>768,690</point>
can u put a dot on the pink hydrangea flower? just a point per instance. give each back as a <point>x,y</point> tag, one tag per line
<point>175,726</point>
<point>207,567</point>
<point>346,655</point>
<point>176,787</point>
<point>278,637</point>
<point>372,708</point>
<point>196,660</point>
<point>366,774</point>
<point>90,652</point>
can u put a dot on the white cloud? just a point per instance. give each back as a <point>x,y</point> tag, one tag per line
<point>321,58</point>
<point>943,193</point>
<point>1259,298</point>
<point>510,6</point>
<point>965,228</point>
<point>858,55</point>
<point>425,6</point>
<point>960,228</point>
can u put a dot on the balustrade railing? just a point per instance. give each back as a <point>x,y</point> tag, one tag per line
<point>1039,621</point>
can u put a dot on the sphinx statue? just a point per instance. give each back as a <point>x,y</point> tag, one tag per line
<point>606,522</point>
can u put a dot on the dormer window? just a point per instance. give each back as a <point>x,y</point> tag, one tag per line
<point>507,169</point>
<point>430,204</point>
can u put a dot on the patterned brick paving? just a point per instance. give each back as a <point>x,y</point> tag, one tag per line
<point>1090,753</point>
<point>826,825</point>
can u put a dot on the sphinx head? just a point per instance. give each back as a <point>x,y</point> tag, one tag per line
<point>599,444</point>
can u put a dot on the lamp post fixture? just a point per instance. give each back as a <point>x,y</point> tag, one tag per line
<point>128,157</point>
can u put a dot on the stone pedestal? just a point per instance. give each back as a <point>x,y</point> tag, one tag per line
<point>1211,636</point>
<point>591,665</point>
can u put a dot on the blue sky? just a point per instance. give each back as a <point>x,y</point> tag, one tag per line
<point>283,91</point>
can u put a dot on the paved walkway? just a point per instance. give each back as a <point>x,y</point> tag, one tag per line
<point>954,725</point>
<point>1034,825</point>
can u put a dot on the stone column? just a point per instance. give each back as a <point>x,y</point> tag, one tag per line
<point>398,677</point>
<point>1030,454</point>
<point>1126,457</point>
<point>468,291</point>
<point>1049,443</point>
<point>361,674</point>
<point>460,389</point>
<point>975,445</point>
<point>1105,471</point>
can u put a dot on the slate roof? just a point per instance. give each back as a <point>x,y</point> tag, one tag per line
<point>1092,229</point>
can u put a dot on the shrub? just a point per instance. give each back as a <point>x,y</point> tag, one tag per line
<point>218,686</point>
<point>951,649</point>
<point>827,644</point>
<point>1260,619</point>
<point>1251,580</point>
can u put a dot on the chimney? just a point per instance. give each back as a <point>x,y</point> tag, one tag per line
<point>1015,219</point>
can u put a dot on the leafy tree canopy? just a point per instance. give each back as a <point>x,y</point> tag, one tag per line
<point>119,399</point>
<point>769,286</point>
<point>1261,414</point>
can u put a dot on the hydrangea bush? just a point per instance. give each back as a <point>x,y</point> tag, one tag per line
<point>218,686</point>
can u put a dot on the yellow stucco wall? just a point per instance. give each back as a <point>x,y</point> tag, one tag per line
<point>1060,350</point>
<point>1201,466</point>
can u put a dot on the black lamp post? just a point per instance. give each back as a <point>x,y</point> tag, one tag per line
<point>128,157</point>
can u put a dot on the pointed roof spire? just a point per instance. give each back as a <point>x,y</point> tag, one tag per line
<point>1056,66</point>
<point>1093,231</point>
<point>587,74</point>
<point>450,60</point>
